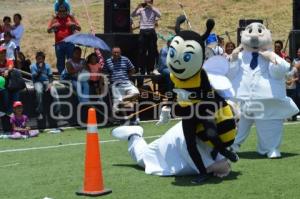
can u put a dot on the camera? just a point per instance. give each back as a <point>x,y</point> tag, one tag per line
<point>144,5</point>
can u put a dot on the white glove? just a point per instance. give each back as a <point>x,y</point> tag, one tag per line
<point>235,53</point>
<point>268,55</point>
<point>182,95</point>
<point>165,115</point>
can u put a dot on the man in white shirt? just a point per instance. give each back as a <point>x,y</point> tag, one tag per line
<point>17,30</point>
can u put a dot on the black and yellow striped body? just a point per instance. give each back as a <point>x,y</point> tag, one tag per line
<point>205,98</point>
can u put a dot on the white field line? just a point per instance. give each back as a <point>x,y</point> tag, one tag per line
<point>82,143</point>
<point>9,165</point>
<point>62,145</point>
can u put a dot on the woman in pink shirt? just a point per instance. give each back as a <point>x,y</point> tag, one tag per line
<point>95,66</point>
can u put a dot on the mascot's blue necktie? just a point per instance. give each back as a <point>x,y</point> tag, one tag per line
<point>254,61</point>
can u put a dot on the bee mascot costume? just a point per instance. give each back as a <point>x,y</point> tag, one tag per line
<point>206,114</point>
<point>195,145</point>
<point>258,78</point>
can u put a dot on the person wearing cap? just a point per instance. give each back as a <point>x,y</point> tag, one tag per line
<point>212,43</point>
<point>19,122</point>
<point>63,25</point>
<point>148,38</point>
<point>42,79</point>
<point>65,3</point>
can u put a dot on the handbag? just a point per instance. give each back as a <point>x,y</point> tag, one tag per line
<point>15,81</point>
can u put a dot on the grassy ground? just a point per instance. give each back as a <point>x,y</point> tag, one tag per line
<point>57,172</point>
<point>276,13</point>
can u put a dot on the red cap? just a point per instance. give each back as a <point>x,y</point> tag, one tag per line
<point>2,49</point>
<point>17,103</point>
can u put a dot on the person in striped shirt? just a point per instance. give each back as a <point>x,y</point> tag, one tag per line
<point>119,68</point>
<point>148,53</point>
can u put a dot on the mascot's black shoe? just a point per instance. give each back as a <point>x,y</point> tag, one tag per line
<point>214,154</point>
<point>232,156</point>
<point>200,178</point>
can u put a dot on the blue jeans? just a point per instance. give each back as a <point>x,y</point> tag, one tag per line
<point>40,89</point>
<point>63,50</point>
<point>82,89</point>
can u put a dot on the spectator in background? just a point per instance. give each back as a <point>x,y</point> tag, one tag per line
<point>42,79</point>
<point>278,46</point>
<point>6,27</point>
<point>76,72</point>
<point>162,65</point>
<point>213,44</point>
<point>17,30</point>
<point>6,66</point>
<point>221,41</point>
<point>297,58</point>
<point>119,68</point>
<point>291,79</point>
<point>22,63</point>
<point>296,62</point>
<point>65,3</point>
<point>63,25</point>
<point>6,127</point>
<point>148,38</point>
<point>10,46</point>
<point>19,123</point>
<point>94,67</point>
<point>229,47</point>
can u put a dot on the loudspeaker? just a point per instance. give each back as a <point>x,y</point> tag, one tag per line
<point>296,14</point>
<point>129,44</point>
<point>238,37</point>
<point>294,41</point>
<point>243,23</point>
<point>116,16</point>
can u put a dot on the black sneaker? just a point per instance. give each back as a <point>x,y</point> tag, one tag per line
<point>232,156</point>
<point>214,154</point>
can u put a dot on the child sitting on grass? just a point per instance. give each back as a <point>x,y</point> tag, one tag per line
<point>19,124</point>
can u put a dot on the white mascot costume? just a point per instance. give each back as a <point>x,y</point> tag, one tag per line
<point>168,155</point>
<point>258,78</point>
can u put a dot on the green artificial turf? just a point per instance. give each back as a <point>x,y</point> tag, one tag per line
<point>57,172</point>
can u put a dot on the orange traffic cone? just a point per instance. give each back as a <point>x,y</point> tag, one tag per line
<point>93,179</point>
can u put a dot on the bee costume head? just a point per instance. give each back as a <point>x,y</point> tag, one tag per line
<point>187,50</point>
